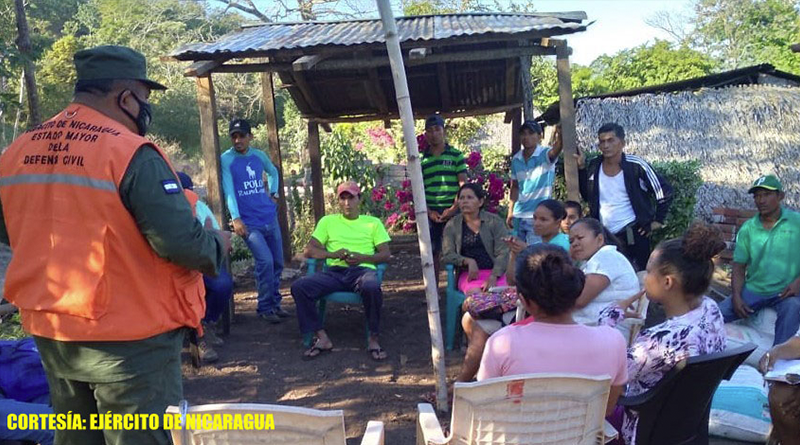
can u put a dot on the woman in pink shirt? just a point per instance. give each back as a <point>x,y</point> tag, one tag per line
<point>549,285</point>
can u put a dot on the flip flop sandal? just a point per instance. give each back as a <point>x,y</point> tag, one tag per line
<point>315,351</point>
<point>375,353</point>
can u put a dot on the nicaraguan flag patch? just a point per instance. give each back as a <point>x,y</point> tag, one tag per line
<point>171,186</point>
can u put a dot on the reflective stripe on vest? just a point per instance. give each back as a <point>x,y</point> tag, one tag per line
<point>82,270</point>
<point>56,178</point>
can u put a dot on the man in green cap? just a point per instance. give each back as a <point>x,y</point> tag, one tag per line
<point>107,253</point>
<point>766,262</point>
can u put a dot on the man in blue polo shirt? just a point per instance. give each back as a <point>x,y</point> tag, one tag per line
<point>254,214</point>
<point>533,170</point>
<point>766,262</point>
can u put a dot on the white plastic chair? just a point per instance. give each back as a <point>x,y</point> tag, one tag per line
<point>641,309</point>
<point>528,409</point>
<point>293,426</point>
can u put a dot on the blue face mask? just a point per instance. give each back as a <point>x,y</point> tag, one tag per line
<point>142,120</point>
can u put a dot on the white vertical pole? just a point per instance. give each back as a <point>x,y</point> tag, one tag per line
<point>420,208</point>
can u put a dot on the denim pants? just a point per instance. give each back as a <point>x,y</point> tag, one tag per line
<point>265,244</point>
<point>219,290</point>
<point>788,310</point>
<point>361,280</point>
<point>523,229</point>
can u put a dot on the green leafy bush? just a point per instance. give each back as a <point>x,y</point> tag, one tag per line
<point>683,176</point>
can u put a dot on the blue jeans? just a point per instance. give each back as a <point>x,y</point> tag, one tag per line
<point>9,406</point>
<point>265,244</point>
<point>788,309</point>
<point>523,229</point>
<point>219,290</point>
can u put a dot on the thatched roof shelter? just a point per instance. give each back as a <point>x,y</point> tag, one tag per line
<point>738,130</point>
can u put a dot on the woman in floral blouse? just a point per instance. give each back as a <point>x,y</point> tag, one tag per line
<point>678,274</point>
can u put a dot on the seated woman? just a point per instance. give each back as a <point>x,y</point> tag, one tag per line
<point>473,240</point>
<point>550,285</point>
<point>678,274</point>
<point>547,219</point>
<point>609,275</point>
<point>784,399</point>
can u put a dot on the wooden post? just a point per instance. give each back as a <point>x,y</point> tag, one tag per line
<point>414,169</point>
<point>527,87</point>
<point>567,110</point>
<point>317,194</point>
<point>209,142</point>
<point>268,92</point>
<point>516,124</point>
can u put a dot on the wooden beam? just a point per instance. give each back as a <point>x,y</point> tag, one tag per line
<point>418,53</point>
<point>516,124</point>
<point>444,86</point>
<point>199,69</point>
<point>568,132</point>
<point>375,92</point>
<point>527,83</point>
<point>419,113</point>
<point>511,79</point>
<point>374,62</point>
<point>253,68</point>
<point>326,127</point>
<point>209,142</point>
<point>317,194</point>
<point>305,90</point>
<point>307,62</point>
<point>268,94</point>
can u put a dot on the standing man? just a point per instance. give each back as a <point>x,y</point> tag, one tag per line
<point>620,189</point>
<point>766,262</point>
<point>351,244</point>
<point>254,214</point>
<point>443,172</point>
<point>106,250</point>
<point>533,170</point>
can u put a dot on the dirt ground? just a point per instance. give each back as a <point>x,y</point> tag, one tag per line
<point>261,362</point>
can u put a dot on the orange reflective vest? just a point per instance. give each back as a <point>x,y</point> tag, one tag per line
<point>81,270</point>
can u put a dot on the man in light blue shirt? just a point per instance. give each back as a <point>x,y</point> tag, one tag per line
<point>533,170</point>
<point>254,214</point>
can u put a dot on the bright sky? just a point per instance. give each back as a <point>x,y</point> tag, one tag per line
<point>619,24</point>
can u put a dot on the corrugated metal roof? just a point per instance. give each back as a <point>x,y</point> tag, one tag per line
<point>284,36</point>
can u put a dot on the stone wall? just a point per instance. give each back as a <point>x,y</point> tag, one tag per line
<point>737,133</point>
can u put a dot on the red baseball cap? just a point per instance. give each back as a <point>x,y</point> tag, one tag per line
<point>349,187</point>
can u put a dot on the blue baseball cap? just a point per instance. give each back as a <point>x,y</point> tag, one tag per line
<point>434,119</point>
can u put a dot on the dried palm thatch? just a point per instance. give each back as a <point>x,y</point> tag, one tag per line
<point>737,133</point>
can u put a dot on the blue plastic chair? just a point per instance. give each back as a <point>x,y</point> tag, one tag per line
<point>455,298</point>
<point>337,297</point>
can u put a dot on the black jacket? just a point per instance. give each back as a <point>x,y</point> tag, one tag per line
<point>642,183</point>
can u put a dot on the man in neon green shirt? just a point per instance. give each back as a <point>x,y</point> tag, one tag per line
<point>766,262</point>
<point>351,244</point>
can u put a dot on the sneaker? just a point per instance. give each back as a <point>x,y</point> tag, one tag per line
<point>210,334</point>
<point>207,353</point>
<point>270,317</point>
<point>282,313</point>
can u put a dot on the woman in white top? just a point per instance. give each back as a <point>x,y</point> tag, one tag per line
<point>609,275</point>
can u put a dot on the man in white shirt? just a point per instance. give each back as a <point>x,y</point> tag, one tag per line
<point>620,189</point>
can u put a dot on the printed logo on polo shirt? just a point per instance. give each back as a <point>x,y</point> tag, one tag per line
<point>253,185</point>
<point>171,186</point>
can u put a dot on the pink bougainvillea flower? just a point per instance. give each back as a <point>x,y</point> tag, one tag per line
<point>406,184</point>
<point>422,143</point>
<point>473,159</point>
<point>392,219</point>
<point>389,205</point>
<point>408,226</point>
